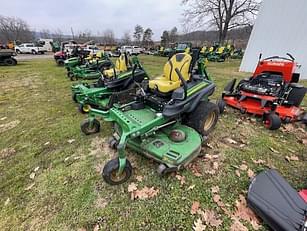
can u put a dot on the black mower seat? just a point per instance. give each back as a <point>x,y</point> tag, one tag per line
<point>276,202</point>
<point>170,81</point>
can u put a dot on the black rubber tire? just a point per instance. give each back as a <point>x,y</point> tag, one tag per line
<point>10,62</point>
<point>60,62</point>
<point>82,106</point>
<point>33,52</point>
<point>272,121</point>
<point>74,97</point>
<point>221,105</point>
<point>87,130</point>
<point>111,168</point>
<point>296,96</point>
<point>203,112</point>
<point>113,143</point>
<point>18,51</point>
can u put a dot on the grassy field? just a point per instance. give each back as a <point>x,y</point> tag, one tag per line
<point>50,172</point>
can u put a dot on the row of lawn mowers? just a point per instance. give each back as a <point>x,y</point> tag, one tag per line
<point>167,119</point>
<point>217,53</point>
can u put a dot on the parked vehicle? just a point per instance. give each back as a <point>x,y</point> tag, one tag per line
<point>46,44</point>
<point>29,48</point>
<point>6,57</point>
<point>131,50</point>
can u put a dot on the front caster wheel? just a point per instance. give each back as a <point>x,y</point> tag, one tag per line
<point>113,143</point>
<point>272,121</point>
<point>90,128</point>
<point>110,172</point>
<point>84,108</point>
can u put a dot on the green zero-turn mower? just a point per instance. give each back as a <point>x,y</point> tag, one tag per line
<point>97,95</point>
<point>92,68</point>
<point>166,122</point>
<point>91,60</point>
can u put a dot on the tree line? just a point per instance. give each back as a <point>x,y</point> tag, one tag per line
<point>221,16</point>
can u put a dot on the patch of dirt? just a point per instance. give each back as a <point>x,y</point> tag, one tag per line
<point>6,152</point>
<point>26,82</point>
<point>8,126</point>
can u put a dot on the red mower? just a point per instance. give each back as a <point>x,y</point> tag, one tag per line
<point>273,92</point>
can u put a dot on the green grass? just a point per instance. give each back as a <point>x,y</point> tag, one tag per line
<point>69,194</point>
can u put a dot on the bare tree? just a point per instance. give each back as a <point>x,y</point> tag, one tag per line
<point>57,35</point>
<point>222,15</point>
<point>108,37</point>
<point>45,34</point>
<point>126,39</point>
<point>14,29</point>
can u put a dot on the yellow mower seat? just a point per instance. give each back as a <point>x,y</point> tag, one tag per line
<point>170,81</point>
<point>120,66</point>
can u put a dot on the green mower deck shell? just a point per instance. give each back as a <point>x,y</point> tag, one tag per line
<point>161,148</point>
<point>72,62</point>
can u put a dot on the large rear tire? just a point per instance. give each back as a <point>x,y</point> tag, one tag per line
<point>204,118</point>
<point>10,62</point>
<point>221,105</point>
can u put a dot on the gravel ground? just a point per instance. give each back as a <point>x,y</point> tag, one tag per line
<point>30,56</point>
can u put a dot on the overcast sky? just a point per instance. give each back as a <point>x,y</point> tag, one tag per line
<point>96,15</point>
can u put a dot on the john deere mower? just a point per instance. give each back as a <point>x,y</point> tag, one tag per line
<point>166,120</point>
<point>219,55</point>
<point>273,92</point>
<point>97,95</point>
<point>92,69</point>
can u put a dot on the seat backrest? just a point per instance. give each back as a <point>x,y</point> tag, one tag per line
<point>121,63</point>
<point>182,61</point>
<point>220,50</point>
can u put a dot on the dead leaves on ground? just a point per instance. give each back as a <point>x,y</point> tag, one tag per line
<point>6,152</point>
<point>291,158</point>
<point>207,218</point>
<point>142,194</point>
<point>242,212</point>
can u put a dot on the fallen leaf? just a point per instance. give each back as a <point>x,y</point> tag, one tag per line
<point>195,207</point>
<point>36,169</point>
<point>144,193</point>
<point>139,178</point>
<point>29,187</point>
<point>215,165</point>
<point>304,141</point>
<point>209,217</point>
<point>32,175</point>
<point>6,152</point>
<point>245,213</point>
<point>7,202</point>
<point>96,227</point>
<point>250,173</point>
<point>273,150</point>
<point>181,179</point>
<point>215,189</point>
<point>238,173</point>
<point>230,141</point>
<point>259,161</point>
<point>71,141</point>
<point>191,187</point>
<point>291,158</point>
<point>198,225</point>
<point>216,198</point>
<point>3,118</point>
<point>209,145</point>
<point>47,143</point>
<point>237,226</point>
<point>243,167</point>
<point>294,158</point>
<point>132,187</point>
<point>211,172</point>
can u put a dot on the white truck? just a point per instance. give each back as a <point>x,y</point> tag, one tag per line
<point>29,48</point>
<point>131,50</point>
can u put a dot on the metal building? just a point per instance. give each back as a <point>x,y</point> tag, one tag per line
<point>280,28</point>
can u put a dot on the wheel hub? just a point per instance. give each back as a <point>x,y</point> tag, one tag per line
<point>177,135</point>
